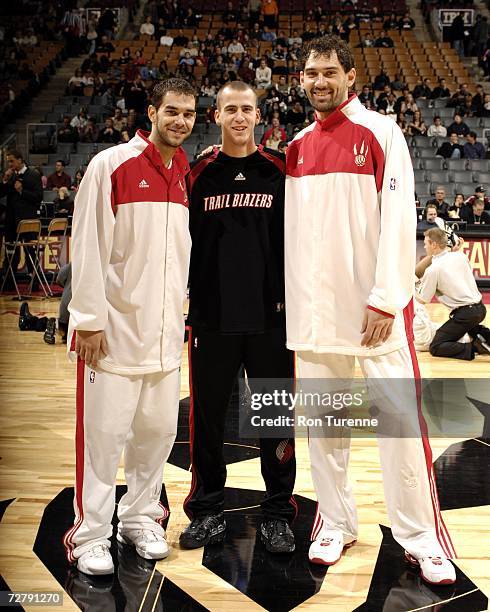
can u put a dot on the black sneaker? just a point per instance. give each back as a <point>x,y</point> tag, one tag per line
<point>205,530</point>
<point>50,333</point>
<point>27,322</point>
<point>480,346</point>
<point>277,536</point>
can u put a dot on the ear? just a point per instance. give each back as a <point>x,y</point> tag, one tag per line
<point>302,78</point>
<point>152,113</point>
<point>217,117</point>
<point>257,116</point>
<point>351,77</point>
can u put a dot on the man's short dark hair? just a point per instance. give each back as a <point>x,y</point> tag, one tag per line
<point>326,45</point>
<point>473,134</point>
<point>178,86</point>
<point>437,117</point>
<point>15,153</point>
<point>61,161</point>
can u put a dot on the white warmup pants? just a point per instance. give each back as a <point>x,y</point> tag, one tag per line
<point>137,414</point>
<point>406,462</point>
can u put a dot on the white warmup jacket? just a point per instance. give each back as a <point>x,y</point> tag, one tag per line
<point>349,231</point>
<point>130,256</point>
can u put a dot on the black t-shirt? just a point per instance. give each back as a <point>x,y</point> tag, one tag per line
<point>237,229</point>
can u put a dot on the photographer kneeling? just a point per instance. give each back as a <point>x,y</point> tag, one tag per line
<point>449,275</point>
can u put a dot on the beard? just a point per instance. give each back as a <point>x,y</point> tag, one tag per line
<point>326,105</point>
<point>164,138</point>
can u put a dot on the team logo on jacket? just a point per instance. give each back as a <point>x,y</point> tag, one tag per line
<point>360,158</point>
<point>92,376</point>
<point>182,186</point>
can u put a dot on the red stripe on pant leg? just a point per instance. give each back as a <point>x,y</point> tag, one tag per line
<point>80,457</point>
<point>294,504</point>
<point>316,521</point>
<point>191,425</point>
<point>441,529</point>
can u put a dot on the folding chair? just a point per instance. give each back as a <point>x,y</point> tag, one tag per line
<point>28,235</point>
<point>54,240</point>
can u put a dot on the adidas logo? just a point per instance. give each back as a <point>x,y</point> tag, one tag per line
<point>300,160</point>
<point>240,177</point>
<point>143,184</point>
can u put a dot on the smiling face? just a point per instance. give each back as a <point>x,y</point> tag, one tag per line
<point>172,123</point>
<point>237,114</point>
<point>326,83</point>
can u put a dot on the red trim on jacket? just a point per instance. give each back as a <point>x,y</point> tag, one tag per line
<point>381,312</point>
<point>199,167</point>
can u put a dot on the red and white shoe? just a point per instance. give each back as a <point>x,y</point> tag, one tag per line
<point>327,548</point>
<point>434,570</point>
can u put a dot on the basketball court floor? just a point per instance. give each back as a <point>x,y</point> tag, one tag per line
<point>37,467</point>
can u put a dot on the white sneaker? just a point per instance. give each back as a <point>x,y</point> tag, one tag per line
<point>149,545</point>
<point>327,549</point>
<point>96,561</point>
<point>434,570</point>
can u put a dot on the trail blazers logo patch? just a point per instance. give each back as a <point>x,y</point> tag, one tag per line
<point>360,158</point>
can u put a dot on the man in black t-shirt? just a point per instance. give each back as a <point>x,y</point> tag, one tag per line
<point>236,315</point>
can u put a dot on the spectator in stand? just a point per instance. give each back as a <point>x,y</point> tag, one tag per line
<point>79,121</point>
<point>147,28</point>
<point>90,133</point>
<point>367,41</point>
<point>451,149</point>
<point>456,33</point>
<point>366,95</point>
<point>274,139</point>
<point>406,22</point>
<point>441,91</point>
<point>384,40</point>
<point>59,178</point>
<point>268,35</point>
<point>63,202</point>
<point>473,149</point>
<point>458,126</point>
<point>181,39</point>
<point>263,76</point>
<point>105,45</point>
<point>391,23</point>
<point>475,213</point>
<point>117,119</point>
<point>270,13</point>
<point>275,124</point>
<point>295,116</point>
<point>295,39</point>
<point>44,179</point>
<point>401,122</point>
<point>109,134</point>
<point>440,202</point>
<point>457,205</point>
<point>77,180</point>
<point>423,90</point>
<point>436,128</point>
<point>283,147</point>
<point>66,133</point>
<point>166,40</point>
<point>75,85</point>
<point>417,126</point>
<point>207,88</point>
<point>429,219</point>
<point>478,101</point>
<point>479,195</point>
<point>235,47</point>
<point>253,9</point>
<point>186,64</point>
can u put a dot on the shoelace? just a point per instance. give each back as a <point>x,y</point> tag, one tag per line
<point>99,551</point>
<point>149,535</point>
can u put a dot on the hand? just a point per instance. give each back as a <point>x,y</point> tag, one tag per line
<point>7,175</point>
<point>91,346</point>
<point>18,186</point>
<point>458,246</point>
<point>208,150</point>
<point>376,328</point>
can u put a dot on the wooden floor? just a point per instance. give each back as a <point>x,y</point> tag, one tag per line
<point>37,422</point>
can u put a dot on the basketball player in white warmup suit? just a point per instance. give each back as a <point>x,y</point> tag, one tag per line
<point>350,256</point>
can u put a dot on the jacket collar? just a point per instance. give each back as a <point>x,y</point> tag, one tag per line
<point>179,160</point>
<point>350,105</point>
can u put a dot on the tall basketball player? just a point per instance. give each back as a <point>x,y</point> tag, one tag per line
<point>130,258</point>
<point>236,314</point>
<point>350,257</point>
